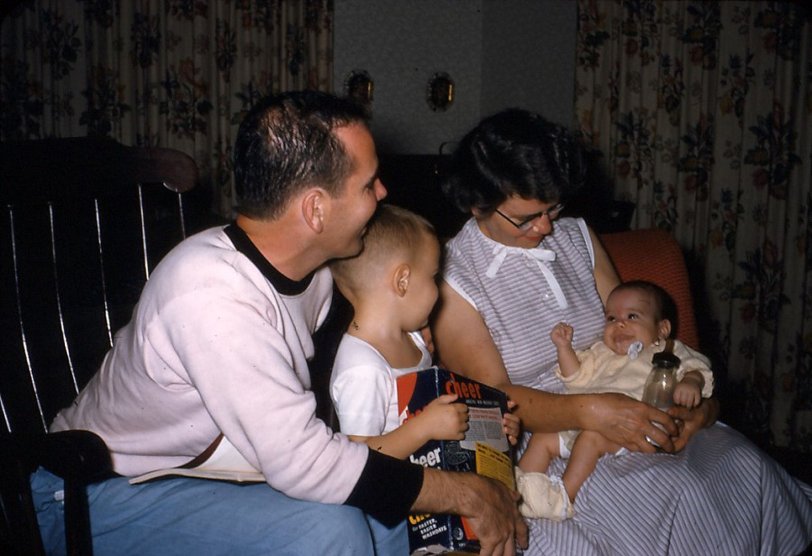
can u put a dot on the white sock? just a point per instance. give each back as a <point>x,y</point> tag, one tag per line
<point>543,496</point>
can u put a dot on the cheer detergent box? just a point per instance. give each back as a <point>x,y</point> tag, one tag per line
<point>485,450</point>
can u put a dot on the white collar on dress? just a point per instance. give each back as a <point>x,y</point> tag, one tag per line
<point>541,256</point>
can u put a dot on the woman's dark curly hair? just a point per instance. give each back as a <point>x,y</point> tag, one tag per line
<point>514,152</point>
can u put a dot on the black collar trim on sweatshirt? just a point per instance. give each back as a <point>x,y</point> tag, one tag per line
<point>279,281</point>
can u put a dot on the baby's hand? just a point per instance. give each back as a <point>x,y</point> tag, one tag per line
<point>446,420</point>
<point>687,394</point>
<point>511,424</point>
<point>561,335</point>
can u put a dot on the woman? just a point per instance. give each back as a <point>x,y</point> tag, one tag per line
<point>516,269</point>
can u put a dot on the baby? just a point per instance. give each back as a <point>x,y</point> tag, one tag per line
<point>637,327</point>
<point>392,286</point>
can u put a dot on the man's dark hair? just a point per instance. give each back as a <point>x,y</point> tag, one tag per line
<point>665,308</point>
<point>286,143</point>
<point>514,152</point>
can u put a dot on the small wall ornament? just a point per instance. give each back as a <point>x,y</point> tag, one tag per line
<point>359,86</point>
<point>440,92</point>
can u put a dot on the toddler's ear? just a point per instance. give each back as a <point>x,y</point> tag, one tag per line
<point>401,279</point>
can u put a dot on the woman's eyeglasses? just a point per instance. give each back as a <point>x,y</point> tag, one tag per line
<point>551,213</point>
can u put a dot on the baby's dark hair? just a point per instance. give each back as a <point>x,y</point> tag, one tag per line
<point>665,308</point>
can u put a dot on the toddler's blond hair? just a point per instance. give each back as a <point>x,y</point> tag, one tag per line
<point>392,232</point>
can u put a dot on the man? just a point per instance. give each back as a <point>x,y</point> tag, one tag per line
<point>218,345</point>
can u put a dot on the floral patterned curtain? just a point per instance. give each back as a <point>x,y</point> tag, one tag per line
<point>168,73</point>
<point>703,112</point>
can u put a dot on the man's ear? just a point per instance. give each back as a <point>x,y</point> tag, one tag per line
<point>400,279</point>
<point>314,209</point>
<point>664,329</point>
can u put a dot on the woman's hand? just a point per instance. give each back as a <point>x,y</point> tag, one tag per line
<point>689,421</point>
<point>628,422</point>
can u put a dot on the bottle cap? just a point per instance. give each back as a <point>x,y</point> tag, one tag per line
<point>665,359</point>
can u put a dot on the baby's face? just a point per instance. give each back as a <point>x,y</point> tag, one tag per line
<point>630,317</point>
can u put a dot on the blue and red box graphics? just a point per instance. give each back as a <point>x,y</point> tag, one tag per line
<point>485,450</point>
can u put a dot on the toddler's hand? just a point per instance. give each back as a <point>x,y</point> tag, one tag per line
<point>511,424</point>
<point>446,420</point>
<point>561,335</point>
<point>687,394</point>
<point>428,338</point>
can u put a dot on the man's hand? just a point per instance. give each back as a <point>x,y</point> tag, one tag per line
<point>491,509</point>
<point>628,422</point>
<point>496,519</point>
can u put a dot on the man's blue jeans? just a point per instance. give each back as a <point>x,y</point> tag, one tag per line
<point>194,516</point>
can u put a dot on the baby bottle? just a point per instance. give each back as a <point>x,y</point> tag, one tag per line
<point>659,388</point>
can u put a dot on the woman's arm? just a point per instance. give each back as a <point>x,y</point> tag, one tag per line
<point>464,345</point>
<point>606,277</point>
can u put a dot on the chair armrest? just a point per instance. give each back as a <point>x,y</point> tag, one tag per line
<point>74,455</point>
<point>78,457</point>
